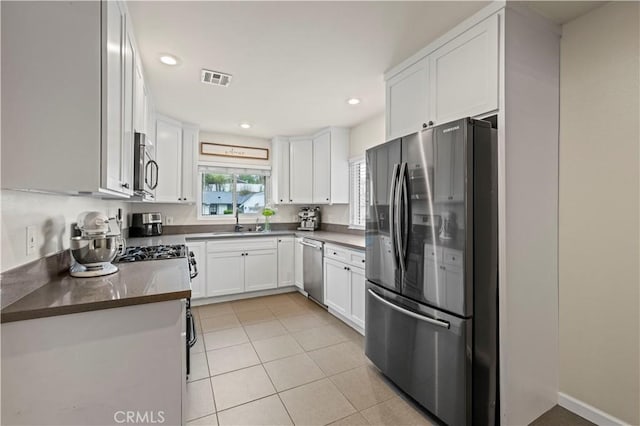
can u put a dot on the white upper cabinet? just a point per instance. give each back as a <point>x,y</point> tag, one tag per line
<point>464,74</point>
<point>318,168</point>
<point>301,177</point>
<point>280,170</point>
<point>190,140</point>
<point>84,108</point>
<point>175,147</point>
<point>458,78</point>
<point>169,159</point>
<point>407,100</point>
<point>322,168</point>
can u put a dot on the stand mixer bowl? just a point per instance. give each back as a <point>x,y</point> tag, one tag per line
<point>95,250</point>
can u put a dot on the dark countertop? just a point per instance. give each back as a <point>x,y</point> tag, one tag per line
<point>134,284</point>
<point>349,240</point>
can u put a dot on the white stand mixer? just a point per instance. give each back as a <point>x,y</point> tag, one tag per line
<point>97,246</point>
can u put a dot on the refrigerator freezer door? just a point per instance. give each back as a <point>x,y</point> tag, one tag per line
<point>383,163</point>
<point>439,184</point>
<point>426,352</point>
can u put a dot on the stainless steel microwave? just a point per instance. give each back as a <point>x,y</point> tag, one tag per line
<point>145,168</point>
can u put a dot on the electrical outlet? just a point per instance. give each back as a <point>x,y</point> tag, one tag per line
<point>31,240</point>
<point>168,220</point>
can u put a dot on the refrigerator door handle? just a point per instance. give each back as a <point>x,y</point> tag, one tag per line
<point>405,214</point>
<point>400,212</point>
<point>407,312</point>
<point>392,217</point>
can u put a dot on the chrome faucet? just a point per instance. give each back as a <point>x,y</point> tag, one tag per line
<point>238,227</point>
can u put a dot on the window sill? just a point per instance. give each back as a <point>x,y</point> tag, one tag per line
<point>358,227</point>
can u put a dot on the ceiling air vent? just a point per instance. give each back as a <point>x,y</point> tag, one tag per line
<point>214,77</point>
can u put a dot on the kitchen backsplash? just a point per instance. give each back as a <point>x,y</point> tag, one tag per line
<point>185,214</point>
<point>51,215</point>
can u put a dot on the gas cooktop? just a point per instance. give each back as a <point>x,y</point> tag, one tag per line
<point>136,254</point>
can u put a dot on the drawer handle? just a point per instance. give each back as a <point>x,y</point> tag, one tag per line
<point>335,254</point>
<point>439,323</point>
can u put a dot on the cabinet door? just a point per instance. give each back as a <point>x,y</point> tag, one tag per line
<point>280,172</point>
<point>225,273</point>
<point>336,287</point>
<point>285,261</point>
<point>407,100</point>
<point>357,296</point>
<point>322,168</point>
<point>139,102</point>
<point>260,269</point>
<point>299,274</point>
<point>464,74</point>
<point>129,61</point>
<point>114,81</point>
<point>169,158</point>
<point>190,136</point>
<point>199,283</point>
<point>301,178</point>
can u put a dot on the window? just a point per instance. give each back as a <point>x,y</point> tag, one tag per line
<point>357,198</point>
<point>225,190</point>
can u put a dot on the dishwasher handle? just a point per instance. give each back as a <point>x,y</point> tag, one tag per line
<point>304,243</point>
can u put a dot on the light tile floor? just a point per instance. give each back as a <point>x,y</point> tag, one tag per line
<point>283,360</point>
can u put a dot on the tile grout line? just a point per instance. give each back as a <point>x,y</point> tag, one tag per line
<point>272,384</point>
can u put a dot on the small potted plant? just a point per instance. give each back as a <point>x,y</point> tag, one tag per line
<point>267,212</point>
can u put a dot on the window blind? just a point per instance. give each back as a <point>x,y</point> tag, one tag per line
<point>233,170</point>
<point>357,200</point>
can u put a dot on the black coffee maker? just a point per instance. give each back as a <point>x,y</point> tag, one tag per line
<point>145,225</point>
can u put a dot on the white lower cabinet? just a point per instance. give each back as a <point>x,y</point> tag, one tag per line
<point>344,283</point>
<point>225,273</point>
<point>199,283</point>
<point>358,289</point>
<point>297,260</point>
<point>286,261</point>
<point>260,270</point>
<point>337,288</point>
<point>240,265</point>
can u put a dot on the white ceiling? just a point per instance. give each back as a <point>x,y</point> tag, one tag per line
<point>562,12</point>
<point>294,64</point>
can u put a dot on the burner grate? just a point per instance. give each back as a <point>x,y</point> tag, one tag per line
<point>160,252</point>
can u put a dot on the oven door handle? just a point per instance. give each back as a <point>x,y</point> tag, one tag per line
<point>192,326</point>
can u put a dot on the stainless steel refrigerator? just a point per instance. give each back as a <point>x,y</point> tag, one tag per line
<point>432,259</point>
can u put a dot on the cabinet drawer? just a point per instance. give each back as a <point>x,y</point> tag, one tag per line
<point>432,252</point>
<point>453,257</point>
<point>356,258</point>
<point>336,252</point>
<point>241,244</point>
<point>350,257</point>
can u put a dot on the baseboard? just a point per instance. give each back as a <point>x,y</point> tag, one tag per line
<point>587,411</point>
<point>239,296</point>
<point>346,320</point>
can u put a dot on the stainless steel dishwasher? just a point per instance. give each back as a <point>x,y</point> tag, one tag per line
<point>313,277</point>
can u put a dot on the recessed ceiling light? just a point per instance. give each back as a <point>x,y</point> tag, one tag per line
<point>168,60</point>
<point>245,125</point>
<point>353,101</point>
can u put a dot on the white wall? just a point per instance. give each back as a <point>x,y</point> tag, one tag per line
<point>367,134</point>
<point>599,197</point>
<point>52,216</point>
